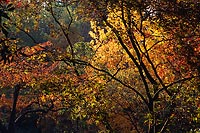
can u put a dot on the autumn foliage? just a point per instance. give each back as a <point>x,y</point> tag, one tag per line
<point>138,73</point>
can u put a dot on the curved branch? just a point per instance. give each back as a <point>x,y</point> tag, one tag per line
<point>44,111</point>
<point>176,82</point>
<point>66,34</point>
<point>80,62</point>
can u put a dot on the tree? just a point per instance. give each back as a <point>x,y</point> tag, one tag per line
<point>133,26</point>
<point>133,76</point>
<point>39,73</point>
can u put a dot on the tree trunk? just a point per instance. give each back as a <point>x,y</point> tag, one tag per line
<point>2,128</point>
<point>11,125</point>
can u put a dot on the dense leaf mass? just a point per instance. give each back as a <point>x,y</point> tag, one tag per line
<point>99,66</point>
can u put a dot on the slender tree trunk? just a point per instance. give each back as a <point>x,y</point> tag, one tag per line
<point>152,123</point>
<point>11,125</point>
<point>2,128</point>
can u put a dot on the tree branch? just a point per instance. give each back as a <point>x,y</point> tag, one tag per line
<point>173,83</point>
<point>80,62</point>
